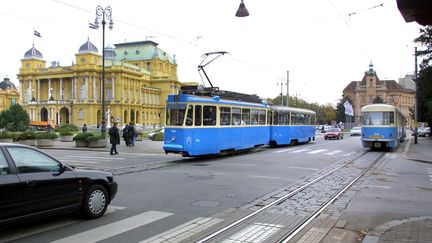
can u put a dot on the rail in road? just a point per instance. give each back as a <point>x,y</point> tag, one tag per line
<point>282,216</point>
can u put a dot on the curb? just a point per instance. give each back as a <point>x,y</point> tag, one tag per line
<point>374,235</point>
<point>405,156</point>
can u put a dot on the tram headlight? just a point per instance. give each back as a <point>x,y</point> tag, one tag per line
<point>173,138</point>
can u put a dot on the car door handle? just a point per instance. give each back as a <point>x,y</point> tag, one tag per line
<point>30,183</point>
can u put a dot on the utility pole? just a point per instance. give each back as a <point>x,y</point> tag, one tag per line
<point>416,103</point>
<point>287,97</point>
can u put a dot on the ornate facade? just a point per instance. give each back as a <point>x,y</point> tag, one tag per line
<point>364,92</point>
<point>138,78</point>
<point>9,94</point>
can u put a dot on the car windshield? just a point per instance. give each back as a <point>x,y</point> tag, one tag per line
<point>334,130</point>
<point>356,128</point>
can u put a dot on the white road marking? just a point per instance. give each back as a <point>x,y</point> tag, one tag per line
<point>257,232</point>
<point>298,151</point>
<point>266,177</point>
<point>283,150</point>
<point>317,151</point>
<point>334,152</point>
<point>243,164</point>
<point>301,168</point>
<point>110,230</point>
<point>183,231</point>
<point>382,187</point>
<point>348,154</point>
<point>55,224</point>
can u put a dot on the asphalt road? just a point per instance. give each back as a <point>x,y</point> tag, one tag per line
<point>152,200</point>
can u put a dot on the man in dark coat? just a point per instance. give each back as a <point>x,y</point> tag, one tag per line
<point>126,134</point>
<point>114,139</point>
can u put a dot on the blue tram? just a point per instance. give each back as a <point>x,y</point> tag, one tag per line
<point>210,124</point>
<point>291,125</point>
<point>220,122</point>
<point>383,126</point>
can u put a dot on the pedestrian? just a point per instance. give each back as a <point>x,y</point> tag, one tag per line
<point>84,128</point>
<point>126,135</point>
<point>114,139</point>
<point>132,133</point>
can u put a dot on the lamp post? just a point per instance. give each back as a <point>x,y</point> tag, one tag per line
<point>416,103</point>
<point>104,14</point>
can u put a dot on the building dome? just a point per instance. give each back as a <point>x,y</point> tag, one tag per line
<point>88,47</point>
<point>7,84</point>
<point>33,53</point>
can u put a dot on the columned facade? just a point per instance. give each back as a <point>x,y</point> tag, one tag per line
<point>72,94</point>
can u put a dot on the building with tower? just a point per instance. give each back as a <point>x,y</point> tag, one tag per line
<point>138,78</point>
<point>9,94</point>
<point>373,90</point>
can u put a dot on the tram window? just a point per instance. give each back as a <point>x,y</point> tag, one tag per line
<point>209,115</point>
<point>236,116</point>
<point>281,117</point>
<point>245,117</point>
<point>301,119</point>
<point>286,118</point>
<point>261,117</point>
<point>198,115</point>
<point>254,117</point>
<point>176,114</point>
<point>269,117</point>
<point>189,116</point>
<point>276,118</point>
<point>225,116</point>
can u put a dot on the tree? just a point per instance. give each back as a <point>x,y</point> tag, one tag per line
<point>340,109</point>
<point>15,119</point>
<point>378,100</point>
<point>424,80</point>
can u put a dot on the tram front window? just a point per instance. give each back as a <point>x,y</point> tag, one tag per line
<point>175,114</point>
<point>377,118</point>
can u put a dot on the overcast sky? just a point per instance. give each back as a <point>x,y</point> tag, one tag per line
<point>324,44</point>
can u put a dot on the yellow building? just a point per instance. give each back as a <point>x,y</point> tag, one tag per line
<point>9,94</point>
<point>138,78</point>
<point>371,88</point>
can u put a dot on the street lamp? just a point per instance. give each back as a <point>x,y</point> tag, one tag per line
<point>242,11</point>
<point>103,14</point>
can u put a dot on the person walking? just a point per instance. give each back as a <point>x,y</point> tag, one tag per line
<point>132,133</point>
<point>114,139</point>
<point>84,128</point>
<point>126,134</point>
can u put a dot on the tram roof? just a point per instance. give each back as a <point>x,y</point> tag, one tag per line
<point>187,98</point>
<point>292,109</point>
<point>378,107</point>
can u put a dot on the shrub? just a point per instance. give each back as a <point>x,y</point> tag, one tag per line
<point>26,135</point>
<point>67,127</point>
<point>46,135</point>
<point>82,136</point>
<point>93,138</point>
<point>7,135</point>
<point>159,136</point>
<point>66,133</point>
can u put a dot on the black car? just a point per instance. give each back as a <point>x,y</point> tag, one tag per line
<point>34,184</point>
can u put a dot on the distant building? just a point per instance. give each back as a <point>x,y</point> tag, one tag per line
<point>408,82</point>
<point>138,78</point>
<point>364,92</point>
<point>9,94</point>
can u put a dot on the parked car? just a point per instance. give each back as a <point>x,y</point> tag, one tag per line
<point>34,184</point>
<point>423,131</point>
<point>333,133</point>
<point>355,131</point>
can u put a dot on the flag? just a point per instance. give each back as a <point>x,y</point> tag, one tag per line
<point>36,33</point>
<point>348,108</point>
<point>93,26</point>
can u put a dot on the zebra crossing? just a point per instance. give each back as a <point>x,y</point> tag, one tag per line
<point>315,151</point>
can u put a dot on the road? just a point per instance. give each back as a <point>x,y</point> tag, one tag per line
<point>160,193</point>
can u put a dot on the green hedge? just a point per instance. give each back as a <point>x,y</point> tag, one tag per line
<point>83,136</point>
<point>46,135</point>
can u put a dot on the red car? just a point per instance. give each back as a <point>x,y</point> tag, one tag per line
<point>333,133</point>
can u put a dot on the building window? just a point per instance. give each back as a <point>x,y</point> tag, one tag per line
<point>82,59</point>
<point>81,114</point>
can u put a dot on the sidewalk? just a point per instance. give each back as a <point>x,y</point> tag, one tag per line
<point>417,229</point>
<point>145,146</point>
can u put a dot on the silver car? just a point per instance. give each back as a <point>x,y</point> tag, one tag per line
<point>355,131</point>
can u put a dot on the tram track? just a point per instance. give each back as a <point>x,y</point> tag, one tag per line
<point>282,216</point>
